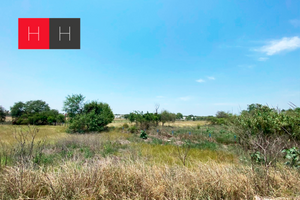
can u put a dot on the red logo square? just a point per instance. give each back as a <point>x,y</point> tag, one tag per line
<point>33,33</point>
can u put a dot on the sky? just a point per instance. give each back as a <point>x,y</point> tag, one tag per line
<point>194,57</point>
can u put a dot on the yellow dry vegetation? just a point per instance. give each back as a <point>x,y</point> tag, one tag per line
<point>120,122</point>
<point>49,133</point>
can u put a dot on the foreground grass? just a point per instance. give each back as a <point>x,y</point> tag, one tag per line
<point>111,178</point>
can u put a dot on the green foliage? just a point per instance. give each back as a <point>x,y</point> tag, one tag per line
<point>217,121</point>
<point>73,105</point>
<point>94,117</point>
<point>143,135</point>
<point>131,117</point>
<point>2,114</point>
<point>60,118</point>
<point>262,119</point>
<point>167,116</point>
<point>222,114</point>
<point>37,106</point>
<point>179,116</point>
<point>33,112</point>
<point>144,120</point>
<point>17,109</point>
<point>51,119</point>
<point>293,155</point>
<point>257,157</point>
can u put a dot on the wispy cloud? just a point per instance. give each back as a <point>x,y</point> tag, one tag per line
<point>277,46</point>
<point>295,22</point>
<point>185,98</point>
<point>200,81</point>
<point>211,78</point>
<point>263,58</point>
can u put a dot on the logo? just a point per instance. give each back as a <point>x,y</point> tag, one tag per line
<point>49,33</point>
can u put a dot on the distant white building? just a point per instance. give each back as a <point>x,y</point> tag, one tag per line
<point>119,116</point>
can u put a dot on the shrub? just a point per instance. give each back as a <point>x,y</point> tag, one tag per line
<point>125,125</point>
<point>293,155</point>
<point>132,129</point>
<point>95,117</point>
<point>143,135</point>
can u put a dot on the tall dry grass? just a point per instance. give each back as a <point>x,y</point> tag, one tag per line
<point>111,178</point>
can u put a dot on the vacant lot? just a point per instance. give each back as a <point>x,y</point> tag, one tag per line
<point>178,161</point>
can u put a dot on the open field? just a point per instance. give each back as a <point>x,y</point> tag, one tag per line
<point>120,122</point>
<point>117,164</point>
<point>49,133</point>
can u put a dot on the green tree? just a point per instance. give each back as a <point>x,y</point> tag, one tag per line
<point>132,117</point>
<point>94,117</point>
<point>73,105</point>
<point>221,114</point>
<point>179,116</point>
<point>51,119</point>
<point>17,109</point>
<point>37,106</point>
<point>166,116</point>
<point>2,114</point>
<point>60,118</point>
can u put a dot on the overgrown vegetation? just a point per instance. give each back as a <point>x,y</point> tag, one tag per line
<point>252,154</point>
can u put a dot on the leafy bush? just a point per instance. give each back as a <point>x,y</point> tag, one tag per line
<point>262,119</point>
<point>293,155</point>
<point>95,117</point>
<point>143,135</point>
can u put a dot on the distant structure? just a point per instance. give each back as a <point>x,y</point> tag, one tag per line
<point>119,116</point>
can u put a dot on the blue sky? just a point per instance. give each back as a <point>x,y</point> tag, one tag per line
<point>194,57</point>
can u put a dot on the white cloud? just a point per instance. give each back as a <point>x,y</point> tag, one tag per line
<point>277,46</point>
<point>211,78</point>
<point>295,22</point>
<point>185,98</point>
<point>200,81</point>
<point>263,58</point>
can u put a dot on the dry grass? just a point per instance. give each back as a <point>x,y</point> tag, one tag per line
<point>186,123</point>
<point>50,133</point>
<point>120,122</point>
<point>113,179</point>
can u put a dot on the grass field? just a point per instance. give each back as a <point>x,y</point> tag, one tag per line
<point>120,122</point>
<point>117,164</point>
